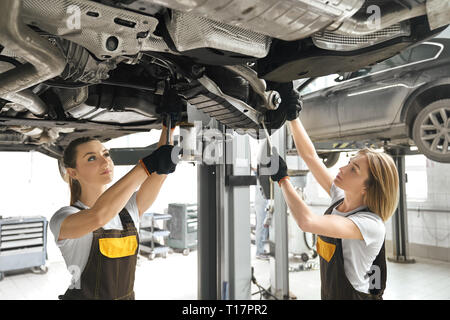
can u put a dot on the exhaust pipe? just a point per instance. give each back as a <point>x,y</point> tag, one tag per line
<point>44,60</point>
<point>28,100</point>
<point>389,16</point>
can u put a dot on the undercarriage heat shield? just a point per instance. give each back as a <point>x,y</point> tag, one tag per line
<point>283,19</point>
<point>333,41</point>
<point>190,32</point>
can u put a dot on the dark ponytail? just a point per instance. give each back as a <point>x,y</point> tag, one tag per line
<point>70,161</point>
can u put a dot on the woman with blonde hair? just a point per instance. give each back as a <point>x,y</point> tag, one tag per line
<point>351,233</point>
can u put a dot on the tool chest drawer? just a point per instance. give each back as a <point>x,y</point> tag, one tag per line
<point>20,235</point>
<point>23,243</point>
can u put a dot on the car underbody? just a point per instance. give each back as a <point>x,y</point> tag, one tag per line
<point>75,68</point>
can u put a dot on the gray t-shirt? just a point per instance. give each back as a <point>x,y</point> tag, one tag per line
<point>76,251</point>
<point>360,254</point>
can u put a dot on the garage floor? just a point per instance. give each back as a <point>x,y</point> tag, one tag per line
<point>176,278</point>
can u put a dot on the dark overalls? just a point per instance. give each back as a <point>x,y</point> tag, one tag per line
<point>110,269</point>
<point>334,282</point>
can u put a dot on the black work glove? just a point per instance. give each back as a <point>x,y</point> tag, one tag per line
<point>291,102</point>
<point>294,106</point>
<point>282,170</point>
<point>162,161</point>
<point>276,168</point>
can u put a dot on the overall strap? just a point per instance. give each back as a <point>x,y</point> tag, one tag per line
<point>334,205</point>
<point>78,207</point>
<point>125,218</point>
<point>338,202</point>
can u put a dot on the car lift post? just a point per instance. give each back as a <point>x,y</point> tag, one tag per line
<point>400,217</point>
<point>278,230</point>
<point>224,263</point>
<point>207,232</point>
<point>224,266</point>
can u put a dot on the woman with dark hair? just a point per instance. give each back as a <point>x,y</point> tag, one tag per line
<point>97,234</point>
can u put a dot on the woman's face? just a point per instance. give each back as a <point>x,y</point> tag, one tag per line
<point>352,177</point>
<point>94,164</point>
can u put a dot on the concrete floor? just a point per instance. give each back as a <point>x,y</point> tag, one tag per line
<point>175,278</point>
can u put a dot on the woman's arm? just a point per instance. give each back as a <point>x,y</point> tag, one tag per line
<point>107,206</point>
<point>307,152</point>
<point>149,190</point>
<point>327,225</point>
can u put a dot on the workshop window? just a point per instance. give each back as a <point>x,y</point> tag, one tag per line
<point>416,186</point>
<point>415,54</point>
<point>423,52</point>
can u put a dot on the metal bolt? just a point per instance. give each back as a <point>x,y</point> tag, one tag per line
<point>112,43</point>
<point>275,100</point>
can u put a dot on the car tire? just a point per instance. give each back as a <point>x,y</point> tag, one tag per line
<point>431,131</point>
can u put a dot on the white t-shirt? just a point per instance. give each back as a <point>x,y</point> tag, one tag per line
<point>360,254</point>
<point>76,251</point>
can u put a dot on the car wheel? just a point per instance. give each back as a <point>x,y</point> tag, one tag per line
<point>431,131</point>
<point>330,158</point>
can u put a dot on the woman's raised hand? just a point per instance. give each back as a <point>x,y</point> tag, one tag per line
<point>162,161</point>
